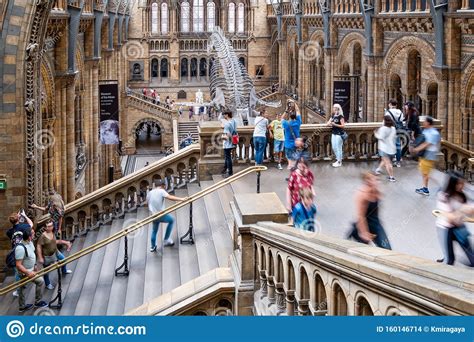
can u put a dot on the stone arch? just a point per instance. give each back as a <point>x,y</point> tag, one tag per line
<point>303,288</point>
<point>291,276</point>
<point>467,107</point>
<point>132,135</point>
<point>347,43</point>
<point>362,305</point>
<point>339,300</point>
<point>320,301</point>
<point>392,311</point>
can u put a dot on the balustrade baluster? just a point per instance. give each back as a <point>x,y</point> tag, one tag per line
<point>263,284</point>
<point>280,298</point>
<point>392,5</point>
<point>271,291</point>
<point>383,6</point>
<point>303,307</point>
<point>290,302</point>
<point>400,6</point>
<point>465,5</point>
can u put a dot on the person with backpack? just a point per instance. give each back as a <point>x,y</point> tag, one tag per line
<point>398,119</point>
<point>412,117</point>
<point>25,261</point>
<point>259,136</point>
<point>20,223</point>
<point>429,148</point>
<point>48,253</point>
<point>55,209</point>
<point>304,211</point>
<point>386,136</point>
<point>336,122</point>
<point>230,138</point>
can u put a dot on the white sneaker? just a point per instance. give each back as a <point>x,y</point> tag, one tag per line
<point>378,171</point>
<point>337,164</point>
<point>168,243</point>
<point>334,164</point>
<point>50,287</point>
<point>15,293</point>
<point>279,167</point>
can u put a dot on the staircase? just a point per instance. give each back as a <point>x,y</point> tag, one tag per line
<point>93,289</point>
<point>145,104</point>
<point>188,127</point>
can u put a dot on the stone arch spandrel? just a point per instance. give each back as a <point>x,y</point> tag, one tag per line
<point>347,42</point>
<point>467,82</point>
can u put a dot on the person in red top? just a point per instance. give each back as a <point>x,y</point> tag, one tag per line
<point>301,178</point>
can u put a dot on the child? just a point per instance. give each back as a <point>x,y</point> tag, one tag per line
<point>304,211</point>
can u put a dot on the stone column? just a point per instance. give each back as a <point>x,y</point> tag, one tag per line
<point>280,298</point>
<point>70,139</point>
<point>303,307</point>
<point>271,290</point>
<point>370,89</point>
<point>290,302</point>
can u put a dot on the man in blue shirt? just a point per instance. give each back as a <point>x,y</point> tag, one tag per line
<point>431,149</point>
<point>292,132</point>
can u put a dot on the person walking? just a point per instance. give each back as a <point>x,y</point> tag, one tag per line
<point>398,119</point>
<point>301,178</point>
<point>25,260</point>
<point>304,211</point>
<point>230,129</point>
<point>454,208</point>
<point>336,122</point>
<point>368,227</point>
<point>156,203</point>
<point>278,135</point>
<point>259,136</point>
<point>291,129</point>
<point>386,136</point>
<point>430,148</point>
<point>48,253</point>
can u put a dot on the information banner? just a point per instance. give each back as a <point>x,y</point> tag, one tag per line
<point>342,96</point>
<point>109,114</point>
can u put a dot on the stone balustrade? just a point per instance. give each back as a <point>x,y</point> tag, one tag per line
<point>125,194</point>
<point>403,6</point>
<point>346,7</point>
<point>457,158</point>
<point>145,103</point>
<point>287,271</point>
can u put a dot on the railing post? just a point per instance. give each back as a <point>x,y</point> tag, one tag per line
<point>271,291</point>
<point>124,265</point>
<point>190,240</point>
<point>263,284</point>
<point>58,296</point>
<point>280,298</point>
<point>290,302</point>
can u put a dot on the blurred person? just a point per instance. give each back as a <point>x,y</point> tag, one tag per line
<point>291,129</point>
<point>278,135</point>
<point>301,178</point>
<point>259,136</point>
<point>398,119</point>
<point>305,211</point>
<point>454,207</point>
<point>368,227</point>
<point>386,136</point>
<point>336,122</point>
<point>48,253</point>
<point>430,148</point>
<point>156,203</point>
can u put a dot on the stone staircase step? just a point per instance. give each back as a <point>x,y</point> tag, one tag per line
<point>226,195</point>
<point>85,301</point>
<point>219,225</point>
<point>135,286</point>
<point>76,283</point>
<point>153,270</point>
<point>104,284</point>
<point>118,290</point>
<point>171,277</point>
<point>8,300</point>
<point>188,261</point>
<point>202,234</point>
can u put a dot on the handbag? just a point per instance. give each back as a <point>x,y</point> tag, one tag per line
<point>344,136</point>
<point>235,136</point>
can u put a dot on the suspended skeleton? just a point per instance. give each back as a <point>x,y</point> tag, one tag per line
<point>230,84</point>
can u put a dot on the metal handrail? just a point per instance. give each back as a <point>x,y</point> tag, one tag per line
<point>131,228</point>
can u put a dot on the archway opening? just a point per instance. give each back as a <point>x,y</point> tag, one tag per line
<point>148,136</point>
<point>363,307</point>
<point>414,78</point>
<point>340,303</point>
<point>432,103</point>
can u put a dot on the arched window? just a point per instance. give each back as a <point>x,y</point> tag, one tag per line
<point>202,67</point>
<point>242,61</point>
<point>154,67</point>
<point>211,16</point>
<point>194,67</point>
<point>164,68</point>
<point>185,16</point>
<point>231,18</point>
<point>184,67</point>
<point>164,18</point>
<point>198,16</point>
<point>154,17</point>
<point>240,18</point>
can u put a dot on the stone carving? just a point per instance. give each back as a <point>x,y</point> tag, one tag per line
<point>30,105</point>
<point>31,50</point>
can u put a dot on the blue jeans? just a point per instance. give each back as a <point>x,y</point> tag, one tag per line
<point>461,235</point>
<point>398,144</point>
<point>336,143</point>
<point>259,144</point>
<point>59,256</point>
<point>156,224</point>
<point>380,240</point>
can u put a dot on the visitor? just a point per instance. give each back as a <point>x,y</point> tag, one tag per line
<point>191,112</point>
<point>301,178</point>
<point>144,93</point>
<point>304,211</point>
<point>454,207</point>
<point>25,264</point>
<point>398,119</point>
<point>336,122</point>
<point>55,208</point>
<point>386,136</point>
<point>15,234</point>
<point>158,100</point>
<point>278,135</point>
<point>48,253</point>
<point>367,227</point>
<point>429,149</point>
<point>412,118</point>
<point>167,102</point>
<point>291,132</point>
<point>259,136</point>
<point>153,96</point>
<point>156,203</point>
<point>230,129</point>
<point>180,111</point>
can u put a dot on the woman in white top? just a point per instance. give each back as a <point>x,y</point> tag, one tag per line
<point>260,137</point>
<point>454,208</point>
<point>386,136</point>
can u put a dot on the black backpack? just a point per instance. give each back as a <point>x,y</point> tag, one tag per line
<point>398,123</point>
<point>11,260</point>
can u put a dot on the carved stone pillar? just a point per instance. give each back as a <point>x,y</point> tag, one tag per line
<point>280,298</point>
<point>303,307</point>
<point>290,302</point>
<point>263,284</point>
<point>271,291</point>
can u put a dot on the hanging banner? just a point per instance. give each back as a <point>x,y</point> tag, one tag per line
<point>342,96</point>
<point>109,114</point>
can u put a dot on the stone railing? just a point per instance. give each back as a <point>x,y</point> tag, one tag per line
<point>346,7</point>
<point>125,194</point>
<point>403,6</point>
<point>145,103</point>
<point>457,158</point>
<point>287,271</point>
